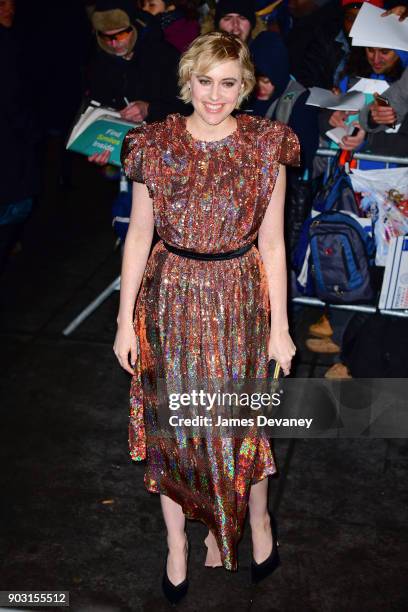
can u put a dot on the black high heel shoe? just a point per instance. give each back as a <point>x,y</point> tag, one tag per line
<point>175,592</point>
<point>259,571</point>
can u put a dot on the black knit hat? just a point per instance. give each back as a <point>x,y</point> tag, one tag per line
<point>245,8</point>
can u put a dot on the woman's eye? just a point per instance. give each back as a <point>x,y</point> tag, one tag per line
<point>229,84</point>
<point>203,81</point>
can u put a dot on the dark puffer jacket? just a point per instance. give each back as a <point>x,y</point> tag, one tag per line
<point>303,35</point>
<point>150,75</point>
<point>322,57</point>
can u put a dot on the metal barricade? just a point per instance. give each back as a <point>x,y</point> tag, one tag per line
<point>387,159</point>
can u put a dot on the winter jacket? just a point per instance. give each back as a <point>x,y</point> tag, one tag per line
<point>322,58</point>
<point>304,33</point>
<point>178,30</point>
<point>397,95</point>
<point>150,75</point>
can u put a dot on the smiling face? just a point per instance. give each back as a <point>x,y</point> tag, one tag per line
<point>381,61</point>
<point>235,24</point>
<point>214,95</point>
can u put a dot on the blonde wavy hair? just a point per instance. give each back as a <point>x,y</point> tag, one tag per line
<point>211,49</point>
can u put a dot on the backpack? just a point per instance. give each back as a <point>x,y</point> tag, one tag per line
<point>337,192</point>
<point>341,254</point>
<point>334,254</point>
<point>285,103</point>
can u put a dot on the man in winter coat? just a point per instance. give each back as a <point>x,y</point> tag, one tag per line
<point>133,71</point>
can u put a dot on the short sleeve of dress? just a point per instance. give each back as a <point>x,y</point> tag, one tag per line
<point>132,153</point>
<point>289,153</point>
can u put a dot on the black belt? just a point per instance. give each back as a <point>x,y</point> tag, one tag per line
<point>208,256</point>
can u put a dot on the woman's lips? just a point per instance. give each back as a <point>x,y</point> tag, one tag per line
<point>213,108</point>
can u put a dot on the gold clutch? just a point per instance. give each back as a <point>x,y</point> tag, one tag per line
<point>274,369</point>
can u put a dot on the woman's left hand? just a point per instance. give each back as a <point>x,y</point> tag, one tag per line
<point>282,349</point>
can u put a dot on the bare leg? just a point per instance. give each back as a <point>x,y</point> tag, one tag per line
<point>260,527</point>
<point>260,521</point>
<point>213,558</point>
<point>176,540</point>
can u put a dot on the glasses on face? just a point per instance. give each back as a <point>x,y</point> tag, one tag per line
<point>119,36</point>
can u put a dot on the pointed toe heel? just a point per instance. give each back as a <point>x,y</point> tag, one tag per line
<point>174,592</point>
<point>259,571</point>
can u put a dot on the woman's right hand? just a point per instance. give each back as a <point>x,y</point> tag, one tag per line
<point>125,344</point>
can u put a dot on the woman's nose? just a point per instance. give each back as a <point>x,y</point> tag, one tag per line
<point>214,91</point>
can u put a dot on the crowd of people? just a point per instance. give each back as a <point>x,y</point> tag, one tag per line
<point>57,56</point>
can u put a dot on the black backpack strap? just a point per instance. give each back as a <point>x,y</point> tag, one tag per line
<point>284,105</point>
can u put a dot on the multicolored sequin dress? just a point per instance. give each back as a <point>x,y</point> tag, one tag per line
<point>204,319</point>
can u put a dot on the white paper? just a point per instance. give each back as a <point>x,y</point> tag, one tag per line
<point>370,86</point>
<point>372,30</point>
<point>324,98</point>
<point>392,130</point>
<point>337,134</point>
<point>90,115</point>
<point>394,290</point>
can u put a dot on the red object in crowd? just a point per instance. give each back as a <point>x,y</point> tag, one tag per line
<point>181,33</point>
<point>379,3</point>
<point>346,157</point>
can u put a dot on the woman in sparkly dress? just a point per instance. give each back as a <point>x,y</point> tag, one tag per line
<point>209,303</point>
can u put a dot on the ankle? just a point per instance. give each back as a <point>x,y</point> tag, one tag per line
<point>177,543</point>
<point>262,523</point>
